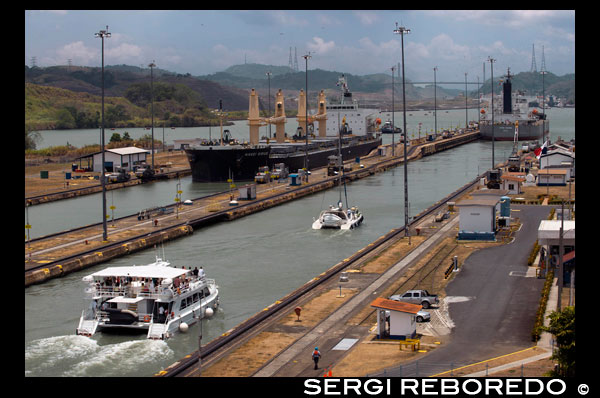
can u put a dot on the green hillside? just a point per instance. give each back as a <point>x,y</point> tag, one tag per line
<point>532,84</point>
<point>66,97</point>
<point>55,108</point>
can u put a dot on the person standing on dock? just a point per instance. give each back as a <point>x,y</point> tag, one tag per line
<point>316,356</point>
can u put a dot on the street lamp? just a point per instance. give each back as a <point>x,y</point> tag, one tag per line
<point>402,31</point>
<point>306,58</point>
<point>102,34</point>
<point>543,73</point>
<point>269,77</point>
<point>466,104</point>
<point>435,97</point>
<point>478,105</point>
<point>152,65</point>
<point>393,108</point>
<point>491,61</point>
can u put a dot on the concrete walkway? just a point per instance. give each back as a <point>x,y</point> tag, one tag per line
<point>327,326</point>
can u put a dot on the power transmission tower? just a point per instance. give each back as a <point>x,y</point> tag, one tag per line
<point>533,64</point>
<point>295,59</point>
<point>33,61</point>
<point>291,63</point>
<point>543,68</point>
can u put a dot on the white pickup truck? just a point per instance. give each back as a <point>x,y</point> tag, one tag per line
<point>417,297</point>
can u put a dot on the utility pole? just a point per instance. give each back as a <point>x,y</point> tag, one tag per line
<point>152,65</point>
<point>478,105</point>
<point>560,257</point>
<point>393,123</point>
<point>102,34</point>
<point>435,97</point>
<point>466,104</point>
<point>306,58</point>
<point>491,61</point>
<point>269,77</point>
<point>402,31</point>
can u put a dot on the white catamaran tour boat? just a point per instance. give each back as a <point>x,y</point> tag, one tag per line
<point>337,217</point>
<point>156,298</point>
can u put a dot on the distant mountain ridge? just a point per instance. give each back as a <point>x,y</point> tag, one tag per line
<point>254,76</point>
<point>232,87</point>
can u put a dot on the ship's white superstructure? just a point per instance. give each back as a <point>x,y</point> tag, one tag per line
<point>347,113</point>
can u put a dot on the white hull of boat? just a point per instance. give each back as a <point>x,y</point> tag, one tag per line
<point>332,221</point>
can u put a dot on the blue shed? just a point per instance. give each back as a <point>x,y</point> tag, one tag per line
<point>505,206</point>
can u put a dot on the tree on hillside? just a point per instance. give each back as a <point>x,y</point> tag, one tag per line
<point>65,120</point>
<point>115,114</point>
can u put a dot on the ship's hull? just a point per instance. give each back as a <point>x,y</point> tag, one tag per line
<point>217,164</point>
<point>220,163</point>
<point>528,131</point>
<point>320,157</point>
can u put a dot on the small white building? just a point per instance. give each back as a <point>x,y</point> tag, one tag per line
<point>402,320</point>
<point>558,158</point>
<point>512,182</point>
<point>247,192</point>
<point>477,216</point>
<point>552,176</point>
<point>126,158</point>
<point>549,232</point>
<point>549,239</point>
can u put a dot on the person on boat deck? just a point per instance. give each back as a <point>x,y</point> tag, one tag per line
<point>196,271</point>
<point>201,273</point>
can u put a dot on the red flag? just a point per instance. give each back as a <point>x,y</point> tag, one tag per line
<point>538,151</point>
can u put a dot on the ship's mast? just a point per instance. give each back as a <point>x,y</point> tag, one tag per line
<point>345,91</point>
<point>507,93</point>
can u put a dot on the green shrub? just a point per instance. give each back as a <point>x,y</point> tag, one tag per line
<point>539,319</point>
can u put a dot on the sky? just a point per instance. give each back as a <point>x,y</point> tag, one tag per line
<point>358,42</point>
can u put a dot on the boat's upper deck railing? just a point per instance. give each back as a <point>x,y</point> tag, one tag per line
<point>136,289</point>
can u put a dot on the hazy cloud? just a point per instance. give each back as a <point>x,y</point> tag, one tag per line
<point>78,53</point>
<point>366,17</point>
<point>319,46</point>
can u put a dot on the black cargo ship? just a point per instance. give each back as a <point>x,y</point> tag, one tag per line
<point>218,163</point>
<point>213,163</point>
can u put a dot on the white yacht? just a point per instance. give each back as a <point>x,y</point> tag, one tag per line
<point>337,217</point>
<point>156,298</point>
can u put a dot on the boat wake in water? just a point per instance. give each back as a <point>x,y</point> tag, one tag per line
<point>75,356</point>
